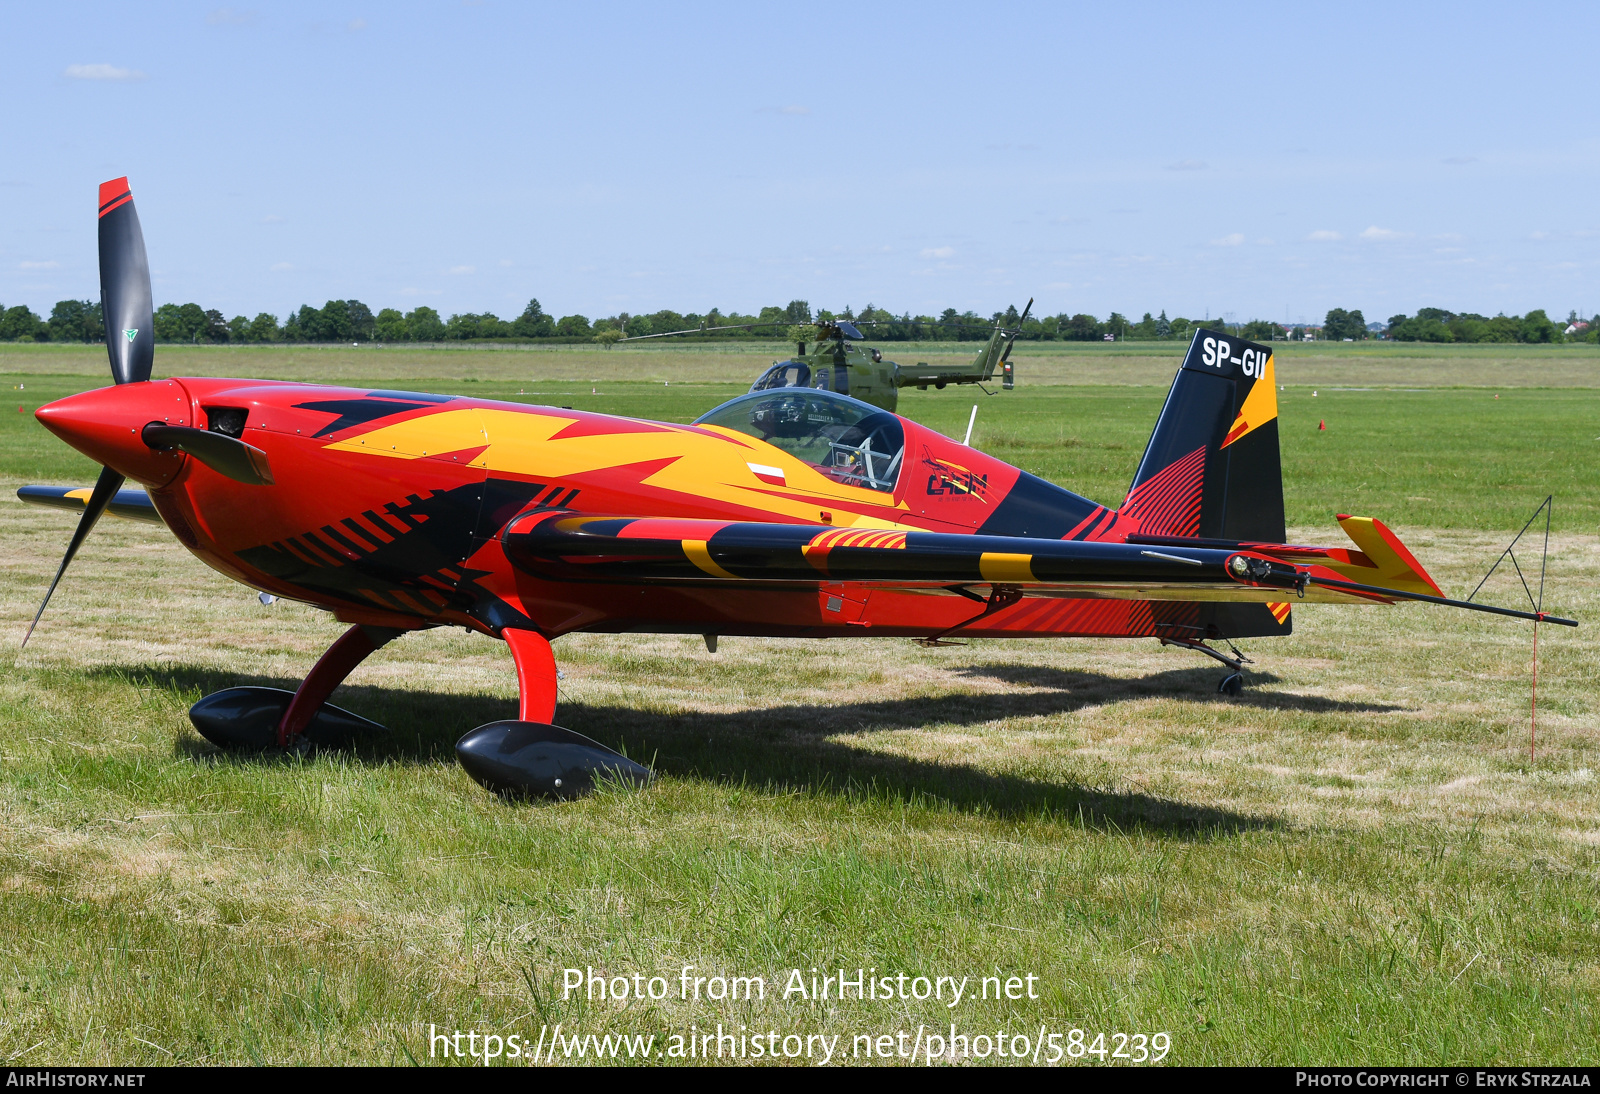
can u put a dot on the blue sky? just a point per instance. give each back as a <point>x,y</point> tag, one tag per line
<point>1263,160</point>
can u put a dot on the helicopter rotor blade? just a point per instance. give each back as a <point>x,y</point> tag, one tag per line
<point>700,330</point>
<point>1006,356</point>
<point>936,325</point>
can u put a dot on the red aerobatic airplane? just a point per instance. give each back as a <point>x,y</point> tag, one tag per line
<point>790,513</point>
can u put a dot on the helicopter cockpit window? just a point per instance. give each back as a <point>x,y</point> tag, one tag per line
<point>835,379</point>
<point>783,374</point>
<point>847,440</point>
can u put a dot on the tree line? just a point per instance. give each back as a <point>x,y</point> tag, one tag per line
<point>353,321</point>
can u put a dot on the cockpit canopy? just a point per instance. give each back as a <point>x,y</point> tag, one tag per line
<point>847,440</point>
<point>783,374</point>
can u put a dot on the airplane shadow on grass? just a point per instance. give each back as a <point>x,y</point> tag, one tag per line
<point>806,746</point>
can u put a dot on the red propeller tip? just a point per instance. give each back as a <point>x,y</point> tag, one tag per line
<point>113,193</point>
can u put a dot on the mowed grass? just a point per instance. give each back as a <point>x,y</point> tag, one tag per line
<point>1355,861</point>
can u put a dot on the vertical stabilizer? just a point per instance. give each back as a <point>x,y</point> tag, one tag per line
<point>1211,469</point>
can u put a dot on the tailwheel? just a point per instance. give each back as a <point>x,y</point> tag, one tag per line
<point>1233,683</point>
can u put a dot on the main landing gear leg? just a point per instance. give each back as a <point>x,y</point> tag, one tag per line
<point>531,757</point>
<point>536,675</point>
<point>255,719</point>
<point>352,648</point>
<point>1233,683</point>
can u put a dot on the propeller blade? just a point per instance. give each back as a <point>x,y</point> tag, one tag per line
<point>225,455</point>
<point>105,489</point>
<point>125,297</point>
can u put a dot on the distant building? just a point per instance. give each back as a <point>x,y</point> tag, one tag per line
<point>1576,328</point>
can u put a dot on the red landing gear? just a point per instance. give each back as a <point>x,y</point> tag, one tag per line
<point>253,719</point>
<point>536,675</point>
<point>530,757</point>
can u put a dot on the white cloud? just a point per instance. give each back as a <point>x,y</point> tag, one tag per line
<point>102,72</point>
<point>272,218</point>
<point>419,292</point>
<point>1460,161</point>
<point>1231,240</point>
<point>1322,235</point>
<point>1376,232</point>
<point>792,109</point>
<point>507,262</point>
<point>937,252</point>
<point>230,17</point>
<point>356,24</point>
<point>461,269</point>
<point>1188,165</point>
<point>279,266</point>
<point>37,265</point>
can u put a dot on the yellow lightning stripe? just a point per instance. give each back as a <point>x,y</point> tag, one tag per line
<point>697,552</point>
<point>695,462</point>
<point>1260,406</point>
<point>82,494</point>
<point>995,566</point>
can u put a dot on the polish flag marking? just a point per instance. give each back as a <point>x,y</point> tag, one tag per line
<point>771,475</point>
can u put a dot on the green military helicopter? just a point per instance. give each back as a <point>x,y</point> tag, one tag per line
<point>838,362</point>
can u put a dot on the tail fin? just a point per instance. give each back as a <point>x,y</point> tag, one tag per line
<point>995,352</point>
<point>1211,469</point>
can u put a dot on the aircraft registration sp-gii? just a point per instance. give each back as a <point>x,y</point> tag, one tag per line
<point>794,513</point>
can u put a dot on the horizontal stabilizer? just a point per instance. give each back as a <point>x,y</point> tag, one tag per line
<point>130,503</point>
<point>1383,560</point>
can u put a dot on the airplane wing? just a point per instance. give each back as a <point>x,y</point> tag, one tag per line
<point>130,503</point>
<point>653,550</point>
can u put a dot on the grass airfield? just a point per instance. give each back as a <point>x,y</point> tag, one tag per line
<point>1354,862</point>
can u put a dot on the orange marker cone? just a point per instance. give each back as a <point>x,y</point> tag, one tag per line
<point>1321,424</point>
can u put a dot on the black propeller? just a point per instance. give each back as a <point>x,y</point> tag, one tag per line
<point>126,305</point>
<point>125,286</point>
<point>105,488</point>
